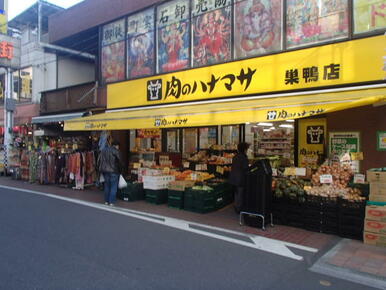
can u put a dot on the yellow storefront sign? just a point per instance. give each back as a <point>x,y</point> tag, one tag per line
<point>344,63</point>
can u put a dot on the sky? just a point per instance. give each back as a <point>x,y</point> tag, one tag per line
<point>15,7</point>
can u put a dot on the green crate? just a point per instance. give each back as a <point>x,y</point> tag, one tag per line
<point>200,201</point>
<point>157,196</point>
<point>176,198</point>
<point>133,192</point>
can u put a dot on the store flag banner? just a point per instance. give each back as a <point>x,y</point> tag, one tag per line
<point>381,140</point>
<point>341,144</point>
<point>311,141</point>
<point>9,52</point>
<point>336,64</point>
<point>173,30</point>
<point>257,27</point>
<point>140,44</point>
<point>369,15</point>
<point>212,27</point>
<point>313,21</point>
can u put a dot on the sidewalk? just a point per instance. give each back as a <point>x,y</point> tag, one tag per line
<point>347,259</point>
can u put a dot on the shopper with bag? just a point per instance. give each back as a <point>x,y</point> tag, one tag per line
<point>109,165</point>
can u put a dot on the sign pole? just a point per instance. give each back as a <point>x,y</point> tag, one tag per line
<point>8,116</point>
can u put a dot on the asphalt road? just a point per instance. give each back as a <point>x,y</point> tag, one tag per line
<point>47,243</point>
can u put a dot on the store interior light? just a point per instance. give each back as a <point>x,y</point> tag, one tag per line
<point>247,123</point>
<point>264,124</point>
<point>286,126</point>
<point>290,121</point>
<point>266,130</point>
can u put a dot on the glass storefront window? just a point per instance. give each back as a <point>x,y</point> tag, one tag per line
<point>16,85</point>
<point>315,21</point>
<point>25,83</point>
<point>258,26</point>
<point>190,140</point>
<point>172,140</point>
<point>208,137</point>
<point>369,15</point>
<point>230,137</point>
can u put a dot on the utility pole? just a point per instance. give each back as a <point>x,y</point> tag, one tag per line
<point>8,115</point>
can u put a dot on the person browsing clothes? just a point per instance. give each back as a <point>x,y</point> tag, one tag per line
<point>109,164</point>
<point>237,176</point>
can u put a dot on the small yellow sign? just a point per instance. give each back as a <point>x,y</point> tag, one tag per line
<point>356,155</point>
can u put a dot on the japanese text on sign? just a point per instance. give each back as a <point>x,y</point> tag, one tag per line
<point>283,114</point>
<point>163,122</point>
<point>6,49</point>
<point>204,6</point>
<point>142,22</point>
<point>172,12</point>
<point>311,74</point>
<point>113,32</point>
<point>176,88</point>
<point>97,126</point>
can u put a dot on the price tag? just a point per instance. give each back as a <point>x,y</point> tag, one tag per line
<point>75,146</point>
<point>359,178</point>
<point>326,178</point>
<point>62,151</point>
<point>193,176</point>
<point>204,167</point>
<point>220,169</point>
<point>136,165</point>
<point>274,172</point>
<point>300,171</point>
<point>290,171</point>
<point>356,155</point>
<point>186,164</point>
<point>197,167</point>
<point>166,170</point>
<point>29,148</point>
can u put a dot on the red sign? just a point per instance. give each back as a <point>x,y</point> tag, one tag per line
<point>6,49</point>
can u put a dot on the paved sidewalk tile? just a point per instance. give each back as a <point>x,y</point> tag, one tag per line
<point>223,218</point>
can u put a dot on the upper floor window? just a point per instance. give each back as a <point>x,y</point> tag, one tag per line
<point>315,21</point>
<point>369,15</point>
<point>113,51</point>
<point>258,26</point>
<point>173,30</point>
<point>140,44</point>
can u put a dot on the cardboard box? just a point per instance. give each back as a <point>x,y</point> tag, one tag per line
<point>376,176</point>
<point>374,239</point>
<point>375,227</point>
<point>376,213</point>
<point>378,188</point>
<point>157,182</point>
<point>180,185</point>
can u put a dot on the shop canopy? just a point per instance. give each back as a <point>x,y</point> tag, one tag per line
<point>56,118</point>
<point>253,109</point>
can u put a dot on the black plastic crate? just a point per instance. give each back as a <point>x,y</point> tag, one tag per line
<point>345,204</point>
<point>159,196</point>
<point>351,221</point>
<point>351,232</point>
<point>133,192</point>
<point>175,202</point>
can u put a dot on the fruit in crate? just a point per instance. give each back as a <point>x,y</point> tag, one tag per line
<point>291,188</point>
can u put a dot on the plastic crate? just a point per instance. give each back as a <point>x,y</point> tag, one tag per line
<point>133,192</point>
<point>347,207</point>
<point>351,232</point>
<point>175,202</point>
<point>159,196</point>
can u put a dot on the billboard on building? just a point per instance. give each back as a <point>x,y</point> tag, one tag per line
<point>9,52</point>
<point>3,16</point>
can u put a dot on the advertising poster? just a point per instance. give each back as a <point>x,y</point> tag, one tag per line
<point>341,144</point>
<point>140,44</point>
<point>369,15</point>
<point>113,62</point>
<point>311,142</point>
<point>257,27</point>
<point>211,32</point>
<point>173,29</point>
<point>313,21</point>
<point>381,140</point>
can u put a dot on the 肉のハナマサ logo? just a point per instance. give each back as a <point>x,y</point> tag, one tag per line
<point>154,90</point>
<point>315,134</point>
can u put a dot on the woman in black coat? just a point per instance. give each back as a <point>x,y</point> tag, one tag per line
<point>237,174</point>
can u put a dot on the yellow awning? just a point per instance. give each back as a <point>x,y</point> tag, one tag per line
<point>229,112</point>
